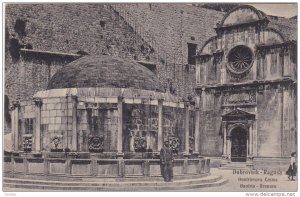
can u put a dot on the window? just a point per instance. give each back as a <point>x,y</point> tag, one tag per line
<point>102,24</point>
<point>28,126</point>
<point>191,53</point>
<point>240,59</point>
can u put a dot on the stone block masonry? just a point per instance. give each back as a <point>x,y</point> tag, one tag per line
<point>63,28</point>
<point>173,27</point>
<point>96,29</point>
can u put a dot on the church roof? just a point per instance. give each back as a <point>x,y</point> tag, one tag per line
<point>105,71</point>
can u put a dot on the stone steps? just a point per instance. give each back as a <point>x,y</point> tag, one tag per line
<point>147,185</point>
<point>101,179</point>
<point>235,165</point>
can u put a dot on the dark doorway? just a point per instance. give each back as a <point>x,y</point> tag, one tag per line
<point>239,145</point>
<point>192,48</point>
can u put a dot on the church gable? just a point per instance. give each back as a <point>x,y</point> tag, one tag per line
<point>248,47</point>
<point>242,14</point>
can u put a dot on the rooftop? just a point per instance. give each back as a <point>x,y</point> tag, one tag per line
<point>105,71</point>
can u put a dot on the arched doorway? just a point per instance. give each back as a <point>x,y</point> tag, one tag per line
<point>238,145</point>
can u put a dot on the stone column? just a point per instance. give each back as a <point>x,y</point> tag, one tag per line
<point>187,128</point>
<point>197,127</point>
<point>250,138</point>
<point>224,138</point>
<point>160,125</point>
<point>120,128</point>
<point>74,122</point>
<point>38,104</point>
<point>15,125</point>
<point>228,145</point>
<point>250,145</point>
<point>225,145</point>
<point>286,66</point>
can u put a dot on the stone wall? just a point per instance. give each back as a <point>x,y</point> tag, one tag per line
<point>97,29</point>
<point>210,125</point>
<point>173,26</point>
<point>140,127</point>
<point>61,28</point>
<point>56,121</point>
<point>269,121</point>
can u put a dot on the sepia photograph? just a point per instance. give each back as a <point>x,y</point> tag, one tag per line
<point>149,97</point>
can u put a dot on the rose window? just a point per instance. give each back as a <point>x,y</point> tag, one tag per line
<point>240,59</point>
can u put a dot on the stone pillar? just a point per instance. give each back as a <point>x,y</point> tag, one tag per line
<point>286,66</point>
<point>94,165</point>
<point>187,129</point>
<point>120,128</point>
<point>197,127</point>
<point>198,71</point>
<point>160,125</point>
<point>224,138</point>
<point>250,145</point>
<point>228,146</point>
<point>15,125</point>
<point>254,131</point>
<point>250,138</point>
<point>46,164</point>
<point>225,151</point>
<point>38,104</point>
<point>74,123</point>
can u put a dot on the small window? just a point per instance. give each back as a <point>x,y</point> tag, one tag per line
<point>191,53</point>
<point>28,126</point>
<point>102,24</point>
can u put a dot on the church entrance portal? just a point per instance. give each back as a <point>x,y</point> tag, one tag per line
<point>238,145</point>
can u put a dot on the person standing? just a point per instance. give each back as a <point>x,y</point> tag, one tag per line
<point>292,171</point>
<point>166,162</point>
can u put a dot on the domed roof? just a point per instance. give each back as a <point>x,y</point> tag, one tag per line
<point>105,71</point>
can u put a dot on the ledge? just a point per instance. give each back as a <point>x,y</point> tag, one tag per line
<point>50,53</point>
<point>255,82</point>
<point>289,42</point>
<point>255,22</point>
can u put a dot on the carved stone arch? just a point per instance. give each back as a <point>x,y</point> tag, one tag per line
<point>232,127</point>
<point>259,14</point>
<point>276,38</point>
<point>205,47</point>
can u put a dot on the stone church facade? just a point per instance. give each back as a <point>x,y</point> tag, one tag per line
<point>233,86</point>
<point>246,90</point>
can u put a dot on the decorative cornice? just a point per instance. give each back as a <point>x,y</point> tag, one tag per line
<point>283,45</point>
<point>249,83</point>
<point>263,21</point>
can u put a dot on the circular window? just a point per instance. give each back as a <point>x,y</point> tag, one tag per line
<point>240,59</point>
